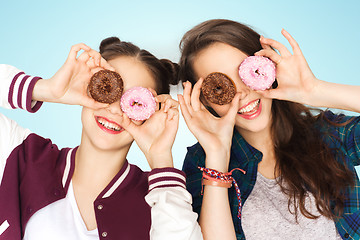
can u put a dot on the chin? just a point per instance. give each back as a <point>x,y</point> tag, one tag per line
<point>257,125</point>
<point>107,145</point>
<point>105,141</point>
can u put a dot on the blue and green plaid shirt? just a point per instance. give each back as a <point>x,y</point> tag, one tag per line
<point>345,138</point>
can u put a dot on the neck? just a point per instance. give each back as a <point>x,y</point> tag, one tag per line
<point>263,142</point>
<point>97,167</point>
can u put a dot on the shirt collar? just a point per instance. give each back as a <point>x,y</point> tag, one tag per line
<point>110,188</point>
<point>242,152</point>
<point>116,181</point>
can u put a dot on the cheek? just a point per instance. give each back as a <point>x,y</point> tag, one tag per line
<point>267,105</point>
<point>221,110</point>
<point>85,115</point>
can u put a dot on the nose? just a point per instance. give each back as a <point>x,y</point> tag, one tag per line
<point>115,108</point>
<point>242,89</point>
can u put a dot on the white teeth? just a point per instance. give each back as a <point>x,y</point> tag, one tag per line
<point>250,107</point>
<point>108,125</point>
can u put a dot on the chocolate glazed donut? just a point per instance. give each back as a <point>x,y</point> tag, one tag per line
<point>106,86</point>
<point>218,88</point>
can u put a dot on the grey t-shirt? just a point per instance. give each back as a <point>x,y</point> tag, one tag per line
<point>265,215</point>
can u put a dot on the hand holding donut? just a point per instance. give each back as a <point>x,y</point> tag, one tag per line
<point>156,135</point>
<point>70,82</point>
<point>296,82</point>
<point>214,134</point>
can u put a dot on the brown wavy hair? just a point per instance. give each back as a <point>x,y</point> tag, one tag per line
<point>304,161</point>
<point>164,71</point>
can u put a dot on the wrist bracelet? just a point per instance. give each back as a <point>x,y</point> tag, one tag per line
<point>216,183</point>
<point>215,178</point>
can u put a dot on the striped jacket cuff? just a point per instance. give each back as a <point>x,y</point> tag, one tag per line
<point>166,177</point>
<point>20,92</point>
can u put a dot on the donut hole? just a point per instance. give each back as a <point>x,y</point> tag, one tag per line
<point>106,87</point>
<point>218,90</point>
<point>136,103</point>
<point>259,73</point>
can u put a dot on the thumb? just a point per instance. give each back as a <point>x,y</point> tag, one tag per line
<point>271,93</point>
<point>234,107</point>
<point>129,126</point>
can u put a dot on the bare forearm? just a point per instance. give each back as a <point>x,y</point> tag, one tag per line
<point>335,95</point>
<point>215,218</point>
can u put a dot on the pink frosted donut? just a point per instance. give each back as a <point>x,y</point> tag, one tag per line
<point>257,72</point>
<point>138,103</point>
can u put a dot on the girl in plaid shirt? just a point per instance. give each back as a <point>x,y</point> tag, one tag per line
<point>298,179</point>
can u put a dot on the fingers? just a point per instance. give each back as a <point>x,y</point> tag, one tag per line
<point>95,59</point>
<point>264,46</point>
<point>195,95</point>
<point>295,46</point>
<point>167,102</point>
<point>276,58</point>
<point>129,126</point>
<point>234,107</point>
<point>84,57</point>
<point>106,65</point>
<point>75,49</point>
<point>154,93</point>
<point>162,98</point>
<point>170,104</point>
<point>99,60</point>
<point>277,45</point>
<point>192,96</point>
<point>172,114</point>
<point>187,92</point>
<point>91,64</point>
<point>271,93</point>
<point>95,55</point>
<point>187,96</point>
<point>184,108</point>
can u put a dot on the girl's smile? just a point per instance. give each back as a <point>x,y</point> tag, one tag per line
<point>108,126</point>
<point>250,110</point>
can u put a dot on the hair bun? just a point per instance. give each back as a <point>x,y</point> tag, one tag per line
<point>107,42</point>
<point>172,70</point>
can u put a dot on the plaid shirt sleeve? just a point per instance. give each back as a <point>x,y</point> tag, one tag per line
<point>195,157</point>
<point>352,140</point>
<point>348,132</point>
<point>345,135</point>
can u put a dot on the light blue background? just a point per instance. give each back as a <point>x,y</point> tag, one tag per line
<point>35,36</point>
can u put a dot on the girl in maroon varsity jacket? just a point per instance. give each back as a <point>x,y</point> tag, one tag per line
<point>91,191</point>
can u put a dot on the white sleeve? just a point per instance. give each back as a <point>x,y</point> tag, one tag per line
<point>172,216</point>
<point>11,135</point>
<point>16,89</point>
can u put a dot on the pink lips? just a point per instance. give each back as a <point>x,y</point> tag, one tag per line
<point>255,112</point>
<point>107,129</point>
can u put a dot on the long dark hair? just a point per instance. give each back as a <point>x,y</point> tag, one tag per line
<point>304,161</point>
<point>164,71</point>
